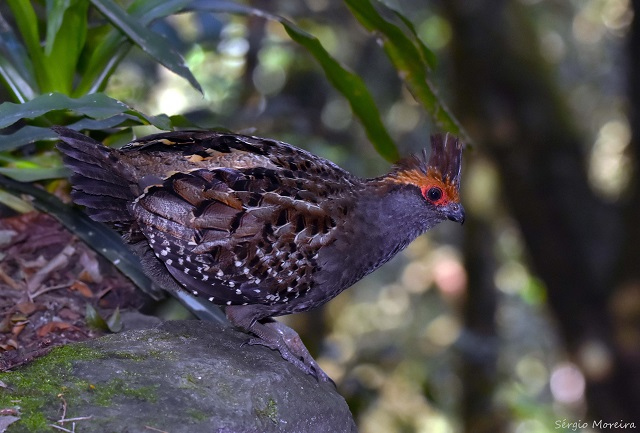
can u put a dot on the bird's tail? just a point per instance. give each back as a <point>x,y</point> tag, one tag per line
<point>98,183</point>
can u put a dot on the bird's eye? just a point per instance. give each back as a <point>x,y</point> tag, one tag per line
<point>434,194</point>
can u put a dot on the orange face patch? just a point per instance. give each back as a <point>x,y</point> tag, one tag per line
<point>427,183</point>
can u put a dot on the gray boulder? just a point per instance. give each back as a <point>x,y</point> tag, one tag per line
<point>179,376</point>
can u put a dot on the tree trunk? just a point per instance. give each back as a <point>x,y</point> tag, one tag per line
<point>510,104</point>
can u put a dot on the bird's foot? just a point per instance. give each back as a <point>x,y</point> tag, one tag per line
<point>276,336</point>
<point>288,343</point>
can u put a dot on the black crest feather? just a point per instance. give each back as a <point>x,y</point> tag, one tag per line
<point>445,159</point>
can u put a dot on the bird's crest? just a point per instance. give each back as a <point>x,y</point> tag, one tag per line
<point>441,168</point>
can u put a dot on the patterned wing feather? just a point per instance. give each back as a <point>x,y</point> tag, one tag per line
<point>238,236</point>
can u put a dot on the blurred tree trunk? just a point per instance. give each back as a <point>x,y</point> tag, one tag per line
<point>478,347</point>
<point>509,103</point>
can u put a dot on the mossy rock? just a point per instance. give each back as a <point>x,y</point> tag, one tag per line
<point>182,376</point>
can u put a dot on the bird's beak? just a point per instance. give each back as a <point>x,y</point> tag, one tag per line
<point>454,212</point>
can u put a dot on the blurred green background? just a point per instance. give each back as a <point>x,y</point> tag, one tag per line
<point>527,318</point>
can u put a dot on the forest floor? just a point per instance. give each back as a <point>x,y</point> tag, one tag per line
<point>54,289</point>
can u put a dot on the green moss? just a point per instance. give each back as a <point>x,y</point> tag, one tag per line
<point>34,389</point>
<point>270,411</point>
<point>191,378</point>
<point>35,423</point>
<point>106,392</point>
<point>123,354</point>
<point>197,415</point>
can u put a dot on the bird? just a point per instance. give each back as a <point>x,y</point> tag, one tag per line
<point>258,226</point>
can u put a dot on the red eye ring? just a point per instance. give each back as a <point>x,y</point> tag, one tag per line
<point>434,194</point>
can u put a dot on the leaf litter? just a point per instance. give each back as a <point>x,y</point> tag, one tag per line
<point>49,281</point>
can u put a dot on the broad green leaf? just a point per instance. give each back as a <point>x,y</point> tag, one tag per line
<point>102,62</point>
<point>108,53</point>
<point>33,174</point>
<point>150,42</point>
<point>55,16</point>
<point>30,134</point>
<point>25,135</point>
<point>15,64</point>
<point>66,35</point>
<point>346,82</point>
<point>409,60</point>
<point>353,88</point>
<point>27,23</point>
<point>94,319</point>
<point>428,56</point>
<point>147,11</point>
<point>17,85</point>
<point>97,106</point>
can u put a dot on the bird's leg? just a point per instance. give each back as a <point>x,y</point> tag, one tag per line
<point>278,336</point>
<point>294,346</point>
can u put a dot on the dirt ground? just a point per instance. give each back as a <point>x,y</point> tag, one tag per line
<point>54,289</point>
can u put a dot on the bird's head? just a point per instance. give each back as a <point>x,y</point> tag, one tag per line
<point>437,177</point>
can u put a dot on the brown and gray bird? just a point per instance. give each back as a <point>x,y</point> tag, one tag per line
<point>258,226</point>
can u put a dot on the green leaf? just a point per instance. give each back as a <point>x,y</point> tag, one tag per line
<point>27,23</point>
<point>33,174</point>
<point>66,35</point>
<point>410,61</point>
<point>111,49</point>
<point>103,60</point>
<point>114,322</point>
<point>94,319</point>
<point>26,135</point>
<point>150,42</point>
<point>15,203</point>
<point>147,11</point>
<point>55,16</point>
<point>16,67</point>
<point>353,88</point>
<point>97,106</point>
<point>428,56</point>
<point>31,134</point>
<point>15,81</point>
<point>350,85</point>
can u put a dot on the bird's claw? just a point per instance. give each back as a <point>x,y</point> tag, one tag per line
<point>300,358</point>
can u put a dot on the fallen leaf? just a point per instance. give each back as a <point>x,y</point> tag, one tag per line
<point>103,292</point>
<point>4,324</point>
<point>27,308</point>
<point>52,327</point>
<point>59,261</point>
<point>68,314</point>
<point>8,280</point>
<point>11,344</point>
<point>38,263</point>
<point>18,327</point>
<point>82,288</point>
<point>90,269</point>
<point>8,411</point>
<point>17,317</point>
